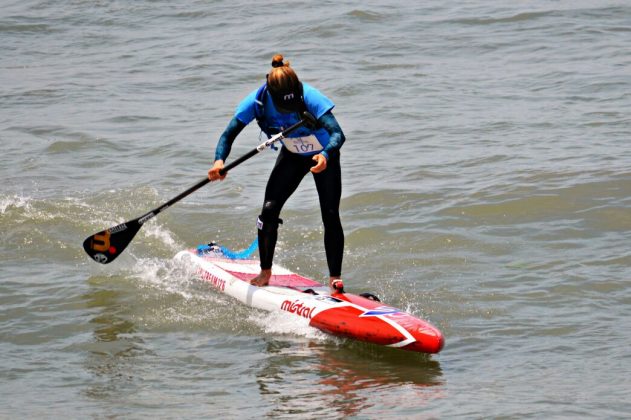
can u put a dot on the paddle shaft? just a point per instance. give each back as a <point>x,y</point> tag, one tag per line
<point>258,149</point>
<point>105,246</point>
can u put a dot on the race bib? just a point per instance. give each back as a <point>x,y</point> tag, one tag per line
<point>302,145</point>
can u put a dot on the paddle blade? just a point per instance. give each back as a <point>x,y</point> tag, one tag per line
<point>105,246</point>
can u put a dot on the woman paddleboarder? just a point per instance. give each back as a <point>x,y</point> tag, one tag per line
<point>277,104</point>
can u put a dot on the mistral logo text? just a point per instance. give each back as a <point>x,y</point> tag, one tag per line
<point>297,307</point>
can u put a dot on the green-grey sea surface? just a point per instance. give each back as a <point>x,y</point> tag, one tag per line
<point>486,188</point>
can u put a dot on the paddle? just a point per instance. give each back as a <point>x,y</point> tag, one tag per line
<point>108,244</point>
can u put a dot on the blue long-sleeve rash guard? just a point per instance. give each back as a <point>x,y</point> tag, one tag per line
<point>327,121</point>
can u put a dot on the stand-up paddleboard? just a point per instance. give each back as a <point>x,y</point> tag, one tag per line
<point>341,314</point>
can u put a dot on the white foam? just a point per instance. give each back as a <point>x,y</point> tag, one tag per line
<point>282,323</point>
<point>16,201</point>
<point>155,230</point>
<point>171,275</point>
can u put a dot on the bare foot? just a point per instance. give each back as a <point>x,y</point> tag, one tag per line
<point>262,279</point>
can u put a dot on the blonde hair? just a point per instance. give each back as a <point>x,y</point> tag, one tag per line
<point>282,78</point>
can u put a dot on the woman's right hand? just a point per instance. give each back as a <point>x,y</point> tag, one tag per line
<point>213,173</point>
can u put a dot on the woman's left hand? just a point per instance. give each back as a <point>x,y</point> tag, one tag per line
<point>320,163</point>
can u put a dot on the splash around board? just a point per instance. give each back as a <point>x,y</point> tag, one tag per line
<point>348,315</point>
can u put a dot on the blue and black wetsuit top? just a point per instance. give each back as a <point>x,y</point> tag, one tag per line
<point>325,138</point>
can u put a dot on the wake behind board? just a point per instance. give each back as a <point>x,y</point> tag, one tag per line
<point>341,314</point>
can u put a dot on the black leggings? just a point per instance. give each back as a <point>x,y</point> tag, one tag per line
<point>288,172</point>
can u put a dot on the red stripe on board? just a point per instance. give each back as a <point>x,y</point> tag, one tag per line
<point>283,280</point>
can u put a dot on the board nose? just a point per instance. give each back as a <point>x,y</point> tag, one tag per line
<point>428,340</point>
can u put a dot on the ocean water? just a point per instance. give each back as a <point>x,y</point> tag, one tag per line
<point>487,189</point>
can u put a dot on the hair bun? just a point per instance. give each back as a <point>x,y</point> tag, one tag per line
<point>277,61</point>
